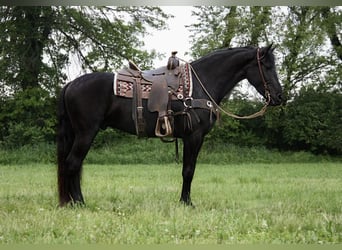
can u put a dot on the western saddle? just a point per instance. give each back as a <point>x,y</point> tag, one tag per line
<point>159,86</point>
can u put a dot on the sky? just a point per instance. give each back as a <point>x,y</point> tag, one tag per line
<point>176,38</point>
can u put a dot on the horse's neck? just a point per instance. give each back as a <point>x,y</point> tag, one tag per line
<point>220,74</point>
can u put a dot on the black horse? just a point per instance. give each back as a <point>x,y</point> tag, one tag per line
<point>88,104</point>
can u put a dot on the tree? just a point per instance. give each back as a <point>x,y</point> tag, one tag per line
<point>331,20</point>
<point>209,32</point>
<point>307,57</point>
<point>222,26</point>
<point>301,33</point>
<point>36,44</point>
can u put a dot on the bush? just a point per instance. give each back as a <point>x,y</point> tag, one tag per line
<point>239,132</point>
<point>27,118</point>
<point>313,121</point>
<point>19,135</point>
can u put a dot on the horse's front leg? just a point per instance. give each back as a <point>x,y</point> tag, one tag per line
<point>192,146</point>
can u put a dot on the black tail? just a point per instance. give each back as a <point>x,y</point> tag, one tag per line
<point>65,138</point>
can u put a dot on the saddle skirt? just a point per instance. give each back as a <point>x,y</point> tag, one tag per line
<point>179,80</point>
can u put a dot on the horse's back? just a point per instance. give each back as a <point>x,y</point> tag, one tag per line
<point>97,82</point>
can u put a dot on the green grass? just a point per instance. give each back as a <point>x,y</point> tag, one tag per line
<point>152,151</point>
<point>133,204</point>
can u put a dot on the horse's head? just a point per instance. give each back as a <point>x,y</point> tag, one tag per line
<point>263,76</point>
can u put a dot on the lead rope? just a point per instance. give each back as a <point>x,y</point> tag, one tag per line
<point>261,112</point>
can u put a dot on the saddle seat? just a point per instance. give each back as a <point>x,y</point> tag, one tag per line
<point>170,76</point>
<point>170,73</point>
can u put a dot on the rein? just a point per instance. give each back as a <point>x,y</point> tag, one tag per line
<point>261,112</point>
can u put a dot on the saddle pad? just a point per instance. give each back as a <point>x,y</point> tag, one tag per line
<point>123,86</point>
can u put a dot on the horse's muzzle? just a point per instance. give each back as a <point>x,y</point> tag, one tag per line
<point>277,100</point>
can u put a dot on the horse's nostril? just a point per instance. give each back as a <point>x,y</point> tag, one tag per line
<point>277,100</point>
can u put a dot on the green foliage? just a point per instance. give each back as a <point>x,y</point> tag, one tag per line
<point>307,38</point>
<point>308,60</point>
<point>24,33</point>
<point>19,134</point>
<point>313,121</point>
<point>208,32</point>
<point>28,118</point>
<point>238,132</point>
<point>223,26</point>
<point>37,41</point>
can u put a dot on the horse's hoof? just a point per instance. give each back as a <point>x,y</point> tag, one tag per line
<point>77,204</point>
<point>187,203</point>
<point>72,204</point>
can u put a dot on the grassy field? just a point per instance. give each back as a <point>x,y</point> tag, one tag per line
<point>145,153</point>
<point>138,204</point>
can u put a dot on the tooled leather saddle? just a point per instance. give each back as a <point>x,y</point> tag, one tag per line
<point>159,86</point>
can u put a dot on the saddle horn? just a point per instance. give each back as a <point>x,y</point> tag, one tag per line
<point>173,61</point>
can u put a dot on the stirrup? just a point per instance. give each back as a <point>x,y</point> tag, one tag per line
<point>163,123</point>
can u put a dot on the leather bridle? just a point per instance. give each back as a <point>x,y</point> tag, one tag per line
<point>267,91</point>
<point>261,112</point>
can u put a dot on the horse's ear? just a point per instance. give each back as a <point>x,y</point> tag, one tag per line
<point>268,49</point>
<point>272,47</point>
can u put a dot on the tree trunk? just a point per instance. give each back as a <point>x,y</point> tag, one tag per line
<point>34,24</point>
<point>330,26</point>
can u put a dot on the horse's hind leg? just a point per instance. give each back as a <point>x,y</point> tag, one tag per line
<point>74,162</point>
